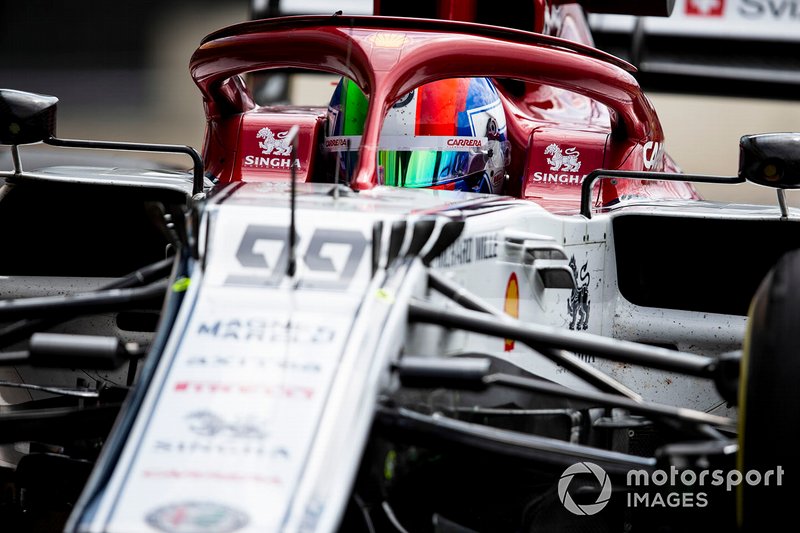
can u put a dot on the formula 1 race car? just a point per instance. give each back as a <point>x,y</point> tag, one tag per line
<point>472,293</point>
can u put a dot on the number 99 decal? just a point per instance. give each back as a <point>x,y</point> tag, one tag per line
<point>257,252</point>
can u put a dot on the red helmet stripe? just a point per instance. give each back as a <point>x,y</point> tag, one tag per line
<point>438,105</point>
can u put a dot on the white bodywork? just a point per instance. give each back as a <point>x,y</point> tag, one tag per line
<point>261,403</point>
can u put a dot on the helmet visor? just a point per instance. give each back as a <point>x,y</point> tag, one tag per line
<point>424,168</point>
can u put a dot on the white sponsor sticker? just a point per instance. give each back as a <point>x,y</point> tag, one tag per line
<point>652,154</point>
<point>565,160</point>
<point>746,19</point>
<point>404,143</point>
<point>342,143</point>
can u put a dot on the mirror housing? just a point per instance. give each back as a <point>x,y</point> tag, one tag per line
<point>26,118</point>
<point>771,159</point>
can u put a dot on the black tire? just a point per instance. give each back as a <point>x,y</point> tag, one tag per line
<point>769,401</point>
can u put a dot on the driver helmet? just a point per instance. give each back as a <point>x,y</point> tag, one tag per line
<point>448,134</point>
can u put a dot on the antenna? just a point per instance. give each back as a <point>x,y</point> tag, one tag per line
<point>15,157</point>
<point>335,192</point>
<point>344,98</point>
<point>336,176</point>
<point>782,204</point>
<point>348,175</point>
<point>291,266</point>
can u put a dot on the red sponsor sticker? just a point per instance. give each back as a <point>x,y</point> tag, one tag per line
<point>705,8</point>
<point>217,387</point>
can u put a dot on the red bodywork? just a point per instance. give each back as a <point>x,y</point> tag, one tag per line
<point>567,94</point>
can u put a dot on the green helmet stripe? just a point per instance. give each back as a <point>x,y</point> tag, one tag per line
<point>355,109</point>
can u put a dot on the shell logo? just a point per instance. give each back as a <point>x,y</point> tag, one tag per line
<point>511,305</point>
<point>387,40</point>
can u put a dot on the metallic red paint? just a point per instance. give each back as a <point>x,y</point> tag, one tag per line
<point>388,57</point>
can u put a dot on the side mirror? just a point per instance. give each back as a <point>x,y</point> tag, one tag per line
<point>26,118</point>
<point>771,159</point>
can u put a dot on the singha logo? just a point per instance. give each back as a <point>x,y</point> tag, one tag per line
<point>566,161</point>
<point>208,424</point>
<point>578,303</point>
<point>273,143</point>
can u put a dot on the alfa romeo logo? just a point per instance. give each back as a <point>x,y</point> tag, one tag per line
<point>590,508</point>
<point>197,517</point>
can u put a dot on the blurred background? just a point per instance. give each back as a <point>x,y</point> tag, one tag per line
<point>120,70</point>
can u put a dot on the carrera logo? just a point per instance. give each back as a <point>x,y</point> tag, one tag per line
<point>566,161</point>
<point>464,142</point>
<point>342,143</point>
<point>705,8</point>
<point>265,250</point>
<point>335,142</point>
